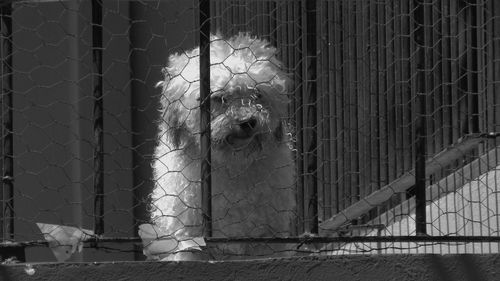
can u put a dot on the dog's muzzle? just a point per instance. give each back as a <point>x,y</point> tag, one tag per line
<point>242,133</point>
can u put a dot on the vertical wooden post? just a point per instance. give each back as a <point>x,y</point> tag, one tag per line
<point>7,162</point>
<point>98,117</point>
<point>206,178</point>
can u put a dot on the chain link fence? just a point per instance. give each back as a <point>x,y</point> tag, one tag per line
<point>295,128</point>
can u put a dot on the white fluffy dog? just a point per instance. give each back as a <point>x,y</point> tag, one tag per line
<point>253,182</point>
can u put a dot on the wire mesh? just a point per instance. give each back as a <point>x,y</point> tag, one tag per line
<point>395,68</point>
<point>323,127</point>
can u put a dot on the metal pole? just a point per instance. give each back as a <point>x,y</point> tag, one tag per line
<point>420,130</point>
<point>142,174</point>
<point>75,121</point>
<point>7,194</point>
<point>206,178</point>
<point>310,142</point>
<point>98,117</point>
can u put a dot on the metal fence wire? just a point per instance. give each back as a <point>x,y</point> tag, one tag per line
<point>229,129</point>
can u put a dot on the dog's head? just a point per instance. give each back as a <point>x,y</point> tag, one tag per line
<point>249,95</point>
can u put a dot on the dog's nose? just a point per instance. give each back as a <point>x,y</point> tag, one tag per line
<point>249,125</point>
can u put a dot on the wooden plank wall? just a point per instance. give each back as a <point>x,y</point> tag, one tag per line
<point>367,87</point>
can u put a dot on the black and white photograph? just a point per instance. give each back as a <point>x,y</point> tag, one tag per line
<point>250,140</point>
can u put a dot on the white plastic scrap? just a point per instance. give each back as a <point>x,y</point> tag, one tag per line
<point>28,268</point>
<point>157,245</point>
<point>64,240</point>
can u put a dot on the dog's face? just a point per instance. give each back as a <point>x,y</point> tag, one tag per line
<point>248,96</point>
<point>243,119</point>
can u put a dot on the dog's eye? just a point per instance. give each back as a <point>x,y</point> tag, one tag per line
<point>256,95</point>
<point>218,99</point>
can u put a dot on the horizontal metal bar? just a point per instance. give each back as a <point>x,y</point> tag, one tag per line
<point>37,243</point>
<point>49,1</point>
<point>292,240</point>
<point>367,239</point>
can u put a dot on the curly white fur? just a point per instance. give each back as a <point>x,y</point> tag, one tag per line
<point>253,188</point>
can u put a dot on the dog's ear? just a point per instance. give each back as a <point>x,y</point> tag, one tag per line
<point>175,126</point>
<point>279,132</point>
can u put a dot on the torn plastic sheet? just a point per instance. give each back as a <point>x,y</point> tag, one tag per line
<point>157,245</point>
<point>63,240</point>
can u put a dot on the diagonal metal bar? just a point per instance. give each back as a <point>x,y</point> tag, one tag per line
<point>403,183</point>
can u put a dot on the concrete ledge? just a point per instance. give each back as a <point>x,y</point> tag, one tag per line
<point>376,267</point>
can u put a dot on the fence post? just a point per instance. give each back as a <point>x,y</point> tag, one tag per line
<point>206,178</point>
<point>419,15</point>
<point>74,95</point>
<point>98,117</point>
<point>310,123</point>
<point>143,179</point>
<point>7,192</point>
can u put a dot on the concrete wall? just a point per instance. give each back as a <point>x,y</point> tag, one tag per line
<point>346,268</point>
